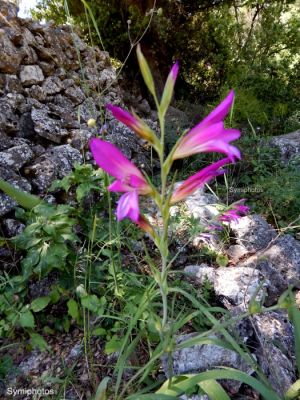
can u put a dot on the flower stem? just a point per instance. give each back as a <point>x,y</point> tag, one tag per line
<point>163,242</point>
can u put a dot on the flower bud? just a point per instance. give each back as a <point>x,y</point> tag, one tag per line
<point>145,70</point>
<point>91,123</point>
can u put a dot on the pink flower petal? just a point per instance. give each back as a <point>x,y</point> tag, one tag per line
<point>133,122</point>
<point>123,116</point>
<point>220,112</point>
<point>109,158</point>
<point>208,139</point>
<point>210,135</point>
<point>119,186</point>
<point>128,206</point>
<point>174,72</point>
<point>198,180</point>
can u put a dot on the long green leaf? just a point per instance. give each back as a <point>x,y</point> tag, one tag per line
<point>101,391</point>
<point>293,392</point>
<point>226,373</point>
<point>214,390</point>
<point>295,313</point>
<point>210,387</point>
<point>204,340</point>
<point>24,199</point>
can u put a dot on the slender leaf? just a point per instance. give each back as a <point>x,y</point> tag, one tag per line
<point>295,313</point>
<point>101,391</point>
<point>227,373</point>
<point>293,392</point>
<point>214,390</point>
<point>24,199</point>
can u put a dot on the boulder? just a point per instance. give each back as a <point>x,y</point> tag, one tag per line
<point>275,353</point>
<point>253,232</point>
<point>280,265</point>
<point>199,358</point>
<point>234,286</point>
<point>288,145</point>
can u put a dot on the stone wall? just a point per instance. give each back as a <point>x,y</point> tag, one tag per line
<point>51,83</point>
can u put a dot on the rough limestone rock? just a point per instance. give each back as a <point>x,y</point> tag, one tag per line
<point>201,273</point>
<point>234,286</point>
<point>280,265</point>
<point>10,57</point>
<point>48,125</point>
<point>31,75</point>
<point>253,232</point>
<point>236,252</point>
<point>205,357</point>
<point>288,145</point>
<point>276,349</point>
<point>55,163</point>
<point>16,157</point>
<point>13,227</point>
<point>202,206</point>
<point>237,285</point>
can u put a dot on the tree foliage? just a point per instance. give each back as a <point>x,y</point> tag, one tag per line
<point>252,45</point>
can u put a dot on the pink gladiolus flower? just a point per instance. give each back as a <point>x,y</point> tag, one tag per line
<point>128,178</point>
<point>198,180</point>
<point>238,210</point>
<point>133,122</point>
<point>229,215</point>
<point>174,72</point>
<point>210,135</point>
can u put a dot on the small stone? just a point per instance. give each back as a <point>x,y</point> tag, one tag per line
<point>48,68</point>
<point>13,84</point>
<point>201,272</point>
<point>55,163</point>
<point>52,85</point>
<point>37,92</point>
<point>13,227</point>
<point>16,157</point>
<point>48,124</point>
<point>31,75</point>
<point>9,121</point>
<point>237,251</point>
<point>10,56</point>
<point>76,95</point>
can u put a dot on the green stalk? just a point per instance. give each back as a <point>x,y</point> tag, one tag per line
<point>164,209</point>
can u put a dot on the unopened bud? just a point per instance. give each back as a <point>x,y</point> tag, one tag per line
<point>160,12</point>
<point>91,123</point>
